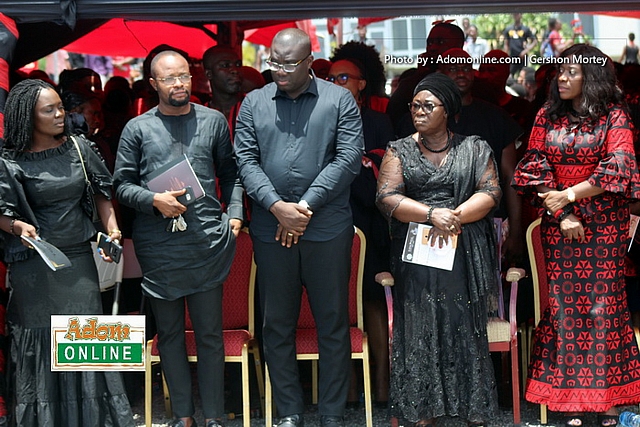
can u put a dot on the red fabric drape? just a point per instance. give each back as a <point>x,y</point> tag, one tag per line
<point>8,39</point>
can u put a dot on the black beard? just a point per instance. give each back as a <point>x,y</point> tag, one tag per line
<point>175,103</point>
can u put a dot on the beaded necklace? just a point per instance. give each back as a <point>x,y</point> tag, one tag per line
<point>443,149</point>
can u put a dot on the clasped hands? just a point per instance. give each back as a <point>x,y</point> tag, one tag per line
<point>570,227</point>
<point>293,219</point>
<point>446,223</point>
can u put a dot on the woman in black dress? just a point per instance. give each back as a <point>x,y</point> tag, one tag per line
<point>440,364</point>
<point>41,190</point>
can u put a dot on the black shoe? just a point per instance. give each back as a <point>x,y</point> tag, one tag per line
<point>294,420</point>
<point>214,423</point>
<point>180,423</point>
<point>331,421</point>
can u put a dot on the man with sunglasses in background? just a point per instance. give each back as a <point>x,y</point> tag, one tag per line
<point>299,145</point>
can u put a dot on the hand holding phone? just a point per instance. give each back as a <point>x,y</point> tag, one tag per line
<point>188,197</point>
<point>110,248</point>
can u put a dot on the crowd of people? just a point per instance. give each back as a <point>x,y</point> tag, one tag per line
<point>302,159</point>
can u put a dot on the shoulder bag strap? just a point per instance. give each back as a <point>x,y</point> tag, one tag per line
<point>86,177</point>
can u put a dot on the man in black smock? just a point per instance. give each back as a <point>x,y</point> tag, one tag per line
<point>184,265</point>
<point>299,145</point>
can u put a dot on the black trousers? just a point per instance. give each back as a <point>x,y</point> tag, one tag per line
<point>323,268</point>
<point>205,311</point>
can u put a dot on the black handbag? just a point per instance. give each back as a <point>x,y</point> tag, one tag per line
<point>88,201</point>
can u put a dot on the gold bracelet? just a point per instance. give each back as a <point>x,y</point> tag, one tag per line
<point>115,230</point>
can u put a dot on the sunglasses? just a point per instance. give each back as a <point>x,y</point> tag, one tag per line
<point>342,78</point>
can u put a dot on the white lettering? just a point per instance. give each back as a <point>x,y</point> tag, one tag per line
<point>391,59</point>
<point>69,353</point>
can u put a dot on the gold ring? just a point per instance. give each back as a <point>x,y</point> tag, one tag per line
<point>452,227</point>
<point>289,234</point>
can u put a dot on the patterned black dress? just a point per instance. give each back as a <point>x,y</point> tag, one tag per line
<point>440,363</point>
<point>585,357</point>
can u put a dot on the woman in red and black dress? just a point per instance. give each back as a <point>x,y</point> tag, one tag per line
<point>581,169</point>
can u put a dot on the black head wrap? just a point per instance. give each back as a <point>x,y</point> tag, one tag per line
<point>73,99</point>
<point>443,88</point>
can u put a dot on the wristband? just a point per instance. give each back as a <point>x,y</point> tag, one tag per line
<point>571,195</point>
<point>561,214</point>
<point>564,215</point>
<point>13,221</point>
<point>431,208</point>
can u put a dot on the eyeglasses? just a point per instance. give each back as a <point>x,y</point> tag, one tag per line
<point>185,78</point>
<point>427,107</point>
<point>228,64</point>
<point>342,78</point>
<point>288,68</point>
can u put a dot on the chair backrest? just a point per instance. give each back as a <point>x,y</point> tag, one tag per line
<point>305,320</point>
<point>538,269</point>
<point>238,289</point>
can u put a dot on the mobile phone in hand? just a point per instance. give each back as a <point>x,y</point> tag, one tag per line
<point>188,197</point>
<point>110,248</point>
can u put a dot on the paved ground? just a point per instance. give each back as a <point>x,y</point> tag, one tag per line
<point>355,417</point>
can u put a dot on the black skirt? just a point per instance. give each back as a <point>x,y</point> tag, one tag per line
<point>42,397</point>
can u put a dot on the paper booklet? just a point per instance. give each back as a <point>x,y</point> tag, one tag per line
<point>418,249</point>
<point>175,175</point>
<point>52,256</point>
<point>633,226</point>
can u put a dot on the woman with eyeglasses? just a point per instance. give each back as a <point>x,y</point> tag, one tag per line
<point>378,131</point>
<point>440,364</point>
<point>581,172</point>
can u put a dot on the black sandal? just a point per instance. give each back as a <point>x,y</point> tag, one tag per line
<point>605,420</point>
<point>574,420</point>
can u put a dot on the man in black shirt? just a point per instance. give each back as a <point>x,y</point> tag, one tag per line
<point>299,145</point>
<point>518,42</point>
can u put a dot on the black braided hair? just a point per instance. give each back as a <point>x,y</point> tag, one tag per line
<point>19,113</point>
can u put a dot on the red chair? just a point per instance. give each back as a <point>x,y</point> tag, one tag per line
<point>307,338</point>
<point>238,330</point>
